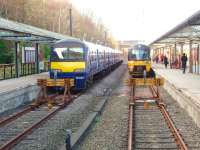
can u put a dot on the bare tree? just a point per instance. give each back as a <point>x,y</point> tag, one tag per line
<point>53,15</point>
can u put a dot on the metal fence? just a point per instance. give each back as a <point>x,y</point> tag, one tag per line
<point>7,71</point>
<point>27,69</point>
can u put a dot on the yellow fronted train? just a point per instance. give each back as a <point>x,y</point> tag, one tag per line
<point>139,62</point>
<point>80,61</point>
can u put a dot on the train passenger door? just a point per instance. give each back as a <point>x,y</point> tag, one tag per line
<point>104,58</point>
<point>97,59</point>
<point>88,61</point>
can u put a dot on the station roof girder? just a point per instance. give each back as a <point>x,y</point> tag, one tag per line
<point>188,30</point>
<point>15,31</point>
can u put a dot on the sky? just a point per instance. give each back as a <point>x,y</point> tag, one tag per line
<point>139,19</point>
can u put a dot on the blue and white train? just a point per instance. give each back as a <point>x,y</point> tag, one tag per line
<point>81,60</point>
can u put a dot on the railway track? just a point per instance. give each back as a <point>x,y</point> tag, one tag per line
<point>187,128</point>
<point>150,129</point>
<point>6,120</point>
<point>16,127</point>
<point>150,126</point>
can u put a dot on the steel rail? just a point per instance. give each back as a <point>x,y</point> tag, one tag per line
<point>154,92</point>
<point>145,98</point>
<point>130,118</point>
<point>8,145</point>
<point>15,116</point>
<point>130,128</point>
<point>178,138</point>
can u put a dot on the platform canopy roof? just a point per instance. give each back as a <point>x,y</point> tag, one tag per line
<point>15,31</point>
<point>188,30</point>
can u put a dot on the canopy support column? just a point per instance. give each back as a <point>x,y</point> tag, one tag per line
<point>175,50</point>
<point>175,53</point>
<point>37,69</point>
<point>160,55</point>
<point>17,72</point>
<point>182,49</point>
<point>198,59</point>
<point>170,56</point>
<point>181,54</point>
<point>163,51</point>
<point>190,58</point>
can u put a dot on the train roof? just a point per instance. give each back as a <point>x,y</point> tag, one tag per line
<point>86,44</point>
<point>140,47</point>
<point>63,42</point>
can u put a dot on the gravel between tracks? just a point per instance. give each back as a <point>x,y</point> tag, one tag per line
<point>110,129</point>
<point>52,134</point>
<point>189,130</point>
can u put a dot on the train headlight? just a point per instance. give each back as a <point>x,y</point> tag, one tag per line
<point>79,70</point>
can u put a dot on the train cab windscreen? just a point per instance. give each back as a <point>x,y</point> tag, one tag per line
<point>139,53</point>
<point>68,53</point>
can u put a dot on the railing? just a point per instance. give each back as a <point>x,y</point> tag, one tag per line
<point>7,71</point>
<point>46,66</point>
<point>27,69</point>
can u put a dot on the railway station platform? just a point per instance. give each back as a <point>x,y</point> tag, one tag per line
<point>184,88</point>
<point>17,91</point>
